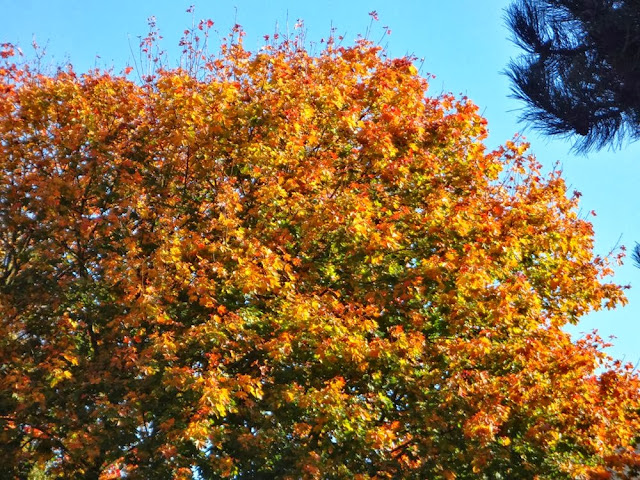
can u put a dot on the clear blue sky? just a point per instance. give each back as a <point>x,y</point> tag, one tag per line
<point>464,43</point>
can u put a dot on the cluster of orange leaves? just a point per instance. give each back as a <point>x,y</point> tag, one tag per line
<point>292,266</point>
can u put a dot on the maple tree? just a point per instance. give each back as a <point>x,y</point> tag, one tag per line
<point>291,265</point>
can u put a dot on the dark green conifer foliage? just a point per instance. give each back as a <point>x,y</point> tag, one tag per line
<point>580,74</point>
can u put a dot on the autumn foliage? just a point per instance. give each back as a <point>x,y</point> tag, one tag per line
<point>291,265</point>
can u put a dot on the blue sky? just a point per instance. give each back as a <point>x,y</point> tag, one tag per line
<point>464,43</point>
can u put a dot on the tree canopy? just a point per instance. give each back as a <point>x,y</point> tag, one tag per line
<point>581,70</point>
<point>286,264</point>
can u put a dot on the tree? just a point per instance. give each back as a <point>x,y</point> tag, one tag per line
<point>581,71</point>
<point>286,265</point>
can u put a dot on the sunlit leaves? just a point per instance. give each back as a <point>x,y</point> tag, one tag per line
<point>288,265</point>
